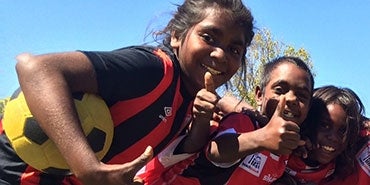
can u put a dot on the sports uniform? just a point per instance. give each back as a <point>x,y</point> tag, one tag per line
<point>148,103</point>
<point>303,173</point>
<point>256,169</point>
<point>362,175</point>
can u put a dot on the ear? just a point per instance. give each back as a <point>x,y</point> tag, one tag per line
<point>258,96</point>
<point>175,41</point>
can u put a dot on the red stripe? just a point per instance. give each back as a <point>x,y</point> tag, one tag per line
<point>120,111</point>
<point>153,138</point>
<point>30,176</point>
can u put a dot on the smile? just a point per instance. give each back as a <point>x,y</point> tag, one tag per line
<point>212,70</point>
<point>327,148</point>
<point>288,114</point>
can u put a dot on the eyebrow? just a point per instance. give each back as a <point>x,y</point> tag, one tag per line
<point>219,32</point>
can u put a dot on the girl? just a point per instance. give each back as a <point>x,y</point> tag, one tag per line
<point>332,126</point>
<point>153,92</point>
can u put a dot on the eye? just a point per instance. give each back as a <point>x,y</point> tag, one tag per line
<point>236,50</point>
<point>208,38</point>
<point>303,96</point>
<point>325,125</point>
<point>279,90</point>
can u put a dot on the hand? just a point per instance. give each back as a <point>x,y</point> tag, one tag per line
<point>203,111</point>
<point>118,174</point>
<point>206,99</point>
<point>302,151</point>
<point>281,136</point>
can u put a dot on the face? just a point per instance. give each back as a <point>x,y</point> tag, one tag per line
<point>331,135</point>
<point>215,45</point>
<point>288,80</point>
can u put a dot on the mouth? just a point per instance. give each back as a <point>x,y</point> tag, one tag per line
<point>326,148</point>
<point>212,70</point>
<point>288,114</point>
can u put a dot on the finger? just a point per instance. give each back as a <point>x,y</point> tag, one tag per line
<point>141,161</point>
<point>209,84</point>
<point>304,150</point>
<point>138,180</point>
<point>280,107</point>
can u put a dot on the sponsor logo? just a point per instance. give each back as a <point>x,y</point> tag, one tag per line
<point>254,163</point>
<point>363,159</point>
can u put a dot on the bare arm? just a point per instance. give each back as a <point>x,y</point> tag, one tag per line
<point>48,82</point>
<point>278,136</point>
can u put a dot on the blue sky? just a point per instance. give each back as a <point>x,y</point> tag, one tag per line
<point>335,33</point>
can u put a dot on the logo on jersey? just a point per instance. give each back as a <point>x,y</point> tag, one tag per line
<point>167,113</point>
<point>254,163</point>
<point>364,159</point>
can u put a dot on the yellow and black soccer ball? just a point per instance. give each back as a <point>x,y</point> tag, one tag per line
<point>35,148</point>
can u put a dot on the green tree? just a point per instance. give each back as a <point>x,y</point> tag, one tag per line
<point>2,105</point>
<point>263,49</point>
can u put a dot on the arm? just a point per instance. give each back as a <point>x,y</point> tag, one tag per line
<point>47,82</point>
<point>278,136</point>
<point>230,103</point>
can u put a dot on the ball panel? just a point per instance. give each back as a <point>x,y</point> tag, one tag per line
<point>96,136</point>
<point>34,132</point>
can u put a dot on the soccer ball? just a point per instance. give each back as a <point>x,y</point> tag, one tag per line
<point>35,148</point>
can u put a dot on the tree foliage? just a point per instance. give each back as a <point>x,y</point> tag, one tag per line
<point>2,105</point>
<point>263,49</point>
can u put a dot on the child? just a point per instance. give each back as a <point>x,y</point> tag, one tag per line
<point>332,127</point>
<point>245,151</point>
<point>150,92</point>
<point>361,175</point>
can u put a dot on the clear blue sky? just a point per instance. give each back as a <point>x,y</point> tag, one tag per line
<point>335,33</point>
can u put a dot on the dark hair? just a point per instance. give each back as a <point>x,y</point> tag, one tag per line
<point>364,132</point>
<point>353,107</point>
<point>270,66</point>
<point>192,12</point>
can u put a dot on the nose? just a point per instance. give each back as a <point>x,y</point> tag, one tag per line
<point>291,98</point>
<point>219,54</point>
<point>333,136</point>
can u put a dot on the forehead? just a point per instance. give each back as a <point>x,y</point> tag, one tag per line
<point>337,114</point>
<point>221,22</point>
<point>292,74</point>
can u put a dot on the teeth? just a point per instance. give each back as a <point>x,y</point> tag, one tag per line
<point>328,148</point>
<point>211,70</point>
<point>288,114</point>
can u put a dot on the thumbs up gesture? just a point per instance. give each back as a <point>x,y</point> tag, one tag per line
<point>206,99</point>
<point>280,135</point>
<point>203,108</point>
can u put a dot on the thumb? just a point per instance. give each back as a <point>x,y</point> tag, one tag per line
<point>209,84</point>
<point>141,161</point>
<point>280,107</point>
